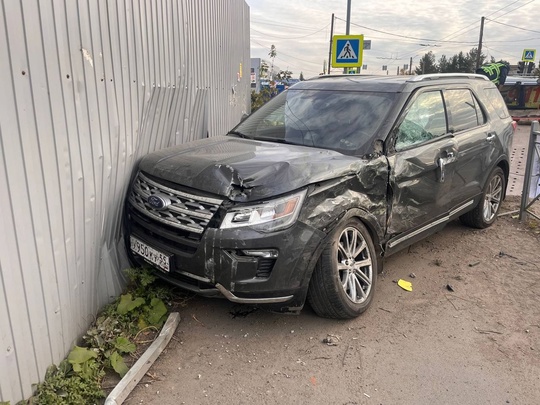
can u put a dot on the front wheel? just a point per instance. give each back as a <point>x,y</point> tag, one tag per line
<point>343,282</point>
<point>485,213</point>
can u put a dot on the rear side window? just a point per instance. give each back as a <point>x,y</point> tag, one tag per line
<point>464,109</point>
<point>496,101</point>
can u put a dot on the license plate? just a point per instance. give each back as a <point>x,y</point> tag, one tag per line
<point>162,260</point>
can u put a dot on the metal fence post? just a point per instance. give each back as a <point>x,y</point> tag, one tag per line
<point>535,132</point>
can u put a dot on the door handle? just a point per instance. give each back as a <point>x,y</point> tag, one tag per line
<point>442,163</point>
<point>490,137</point>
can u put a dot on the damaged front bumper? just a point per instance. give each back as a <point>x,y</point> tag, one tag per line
<point>242,264</point>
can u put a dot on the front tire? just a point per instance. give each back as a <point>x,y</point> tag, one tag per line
<point>344,279</point>
<point>485,212</point>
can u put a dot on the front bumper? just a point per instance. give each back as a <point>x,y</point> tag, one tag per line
<point>231,263</point>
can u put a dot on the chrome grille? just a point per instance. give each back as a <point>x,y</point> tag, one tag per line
<point>186,211</point>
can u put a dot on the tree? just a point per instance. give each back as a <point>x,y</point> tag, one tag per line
<point>460,62</point>
<point>263,69</point>
<point>272,54</point>
<point>258,99</point>
<point>472,56</point>
<point>284,76</point>
<point>302,77</point>
<point>444,64</point>
<point>427,64</point>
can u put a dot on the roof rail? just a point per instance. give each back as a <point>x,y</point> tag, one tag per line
<point>437,76</point>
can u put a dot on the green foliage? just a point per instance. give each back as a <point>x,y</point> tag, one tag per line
<point>118,364</point>
<point>258,99</point>
<point>63,385</point>
<point>128,304</point>
<point>427,64</point>
<point>273,52</point>
<point>77,379</point>
<point>458,63</point>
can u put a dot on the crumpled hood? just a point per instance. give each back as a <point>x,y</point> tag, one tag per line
<point>246,170</point>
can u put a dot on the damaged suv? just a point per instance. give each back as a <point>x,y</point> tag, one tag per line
<point>304,198</point>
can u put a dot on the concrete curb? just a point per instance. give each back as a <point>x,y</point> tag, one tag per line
<point>137,371</point>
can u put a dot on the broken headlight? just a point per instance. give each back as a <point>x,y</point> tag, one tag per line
<point>268,216</point>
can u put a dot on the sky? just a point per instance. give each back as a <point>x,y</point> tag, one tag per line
<point>398,30</point>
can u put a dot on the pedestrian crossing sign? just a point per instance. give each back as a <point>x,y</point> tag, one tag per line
<point>347,50</point>
<point>529,55</point>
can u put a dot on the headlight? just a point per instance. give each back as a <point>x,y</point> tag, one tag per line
<point>267,216</point>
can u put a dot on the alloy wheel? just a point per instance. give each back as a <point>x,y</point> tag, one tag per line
<point>355,266</point>
<point>492,198</point>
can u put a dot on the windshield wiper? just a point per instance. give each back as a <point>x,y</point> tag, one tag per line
<point>240,134</point>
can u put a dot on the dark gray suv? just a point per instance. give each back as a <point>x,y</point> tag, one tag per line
<point>304,198</point>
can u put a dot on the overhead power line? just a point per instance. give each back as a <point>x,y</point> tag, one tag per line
<point>303,36</point>
<point>511,11</point>
<point>513,26</point>
<point>282,53</point>
<point>296,27</point>
<point>406,36</point>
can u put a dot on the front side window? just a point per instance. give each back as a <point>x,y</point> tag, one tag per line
<point>425,119</point>
<point>345,121</point>
<point>465,111</point>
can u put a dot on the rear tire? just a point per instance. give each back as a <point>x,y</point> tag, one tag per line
<point>485,212</point>
<point>344,279</point>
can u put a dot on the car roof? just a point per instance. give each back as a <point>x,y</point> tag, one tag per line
<point>390,84</point>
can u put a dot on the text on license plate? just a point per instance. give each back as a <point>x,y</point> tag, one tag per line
<point>154,256</point>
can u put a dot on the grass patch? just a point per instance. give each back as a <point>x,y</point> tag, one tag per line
<point>106,344</point>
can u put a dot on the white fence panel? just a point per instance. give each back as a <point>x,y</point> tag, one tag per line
<point>87,88</point>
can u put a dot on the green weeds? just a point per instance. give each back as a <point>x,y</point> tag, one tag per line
<point>77,380</point>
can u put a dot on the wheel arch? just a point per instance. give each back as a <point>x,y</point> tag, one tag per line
<point>505,166</point>
<point>374,229</point>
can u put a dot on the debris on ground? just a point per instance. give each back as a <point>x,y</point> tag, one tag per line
<point>450,287</point>
<point>474,264</point>
<point>406,285</point>
<point>412,275</point>
<point>242,311</point>
<point>331,340</point>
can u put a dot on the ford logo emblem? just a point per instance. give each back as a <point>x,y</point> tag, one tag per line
<point>158,201</point>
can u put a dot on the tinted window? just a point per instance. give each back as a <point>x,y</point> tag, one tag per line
<point>496,101</point>
<point>425,119</point>
<point>465,112</point>
<point>340,120</point>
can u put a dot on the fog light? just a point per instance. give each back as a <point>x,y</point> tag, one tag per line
<point>267,254</point>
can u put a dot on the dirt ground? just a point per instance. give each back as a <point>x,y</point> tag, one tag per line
<point>477,344</point>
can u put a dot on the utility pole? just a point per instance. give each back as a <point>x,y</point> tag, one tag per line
<point>331,39</point>
<point>410,67</point>
<point>348,27</point>
<point>480,42</point>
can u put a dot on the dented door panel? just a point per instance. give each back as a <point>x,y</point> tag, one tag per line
<point>421,184</point>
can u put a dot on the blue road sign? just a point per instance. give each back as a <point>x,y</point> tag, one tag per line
<point>347,50</point>
<point>529,55</point>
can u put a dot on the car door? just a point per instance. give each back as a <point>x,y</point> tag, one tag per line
<point>422,159</point>
<point>474,140</point>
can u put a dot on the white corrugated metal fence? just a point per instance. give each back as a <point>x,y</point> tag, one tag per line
<point>87,88</point>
